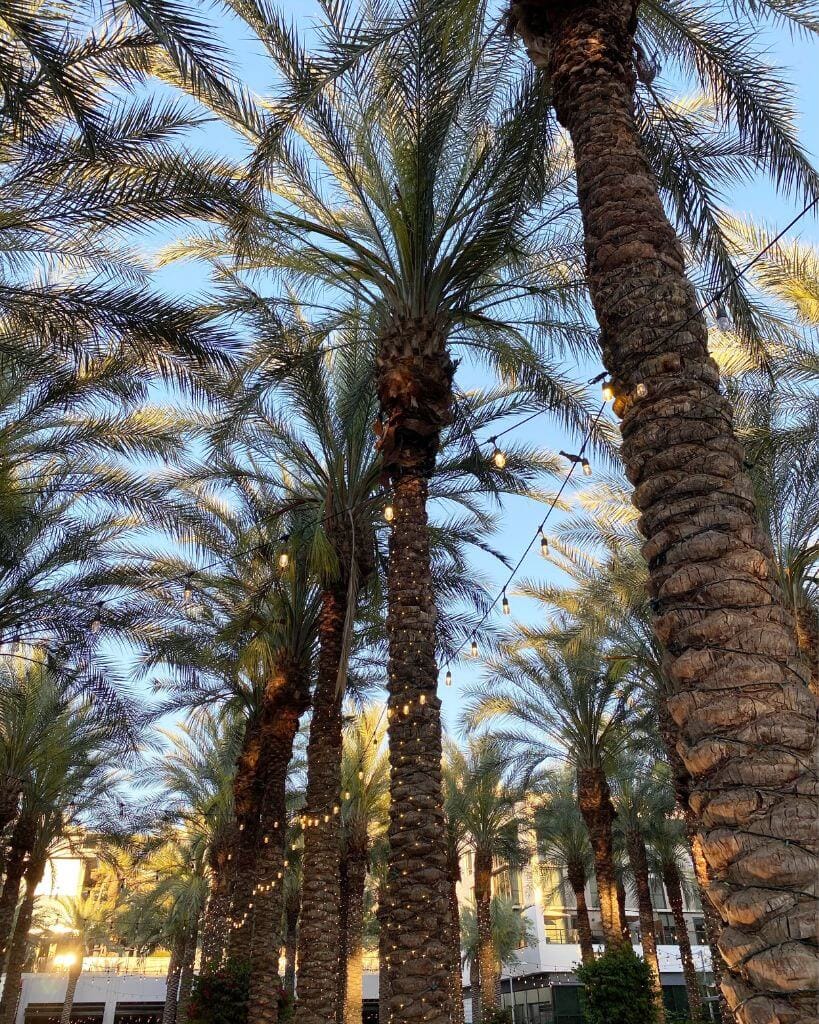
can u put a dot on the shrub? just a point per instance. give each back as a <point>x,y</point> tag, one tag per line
<point>220,997</point>
<point>617,989</point>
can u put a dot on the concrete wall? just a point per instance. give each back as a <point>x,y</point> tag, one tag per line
<point>107,988</point>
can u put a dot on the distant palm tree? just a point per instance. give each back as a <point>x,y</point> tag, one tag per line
<point>485,805</point>
<point>563,840</point>
<point>365,785</point>
<point>511,930</point>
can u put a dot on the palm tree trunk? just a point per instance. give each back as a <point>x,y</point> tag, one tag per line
<point>9,807</point>
<point>19,942</point>
<point>807,636</point>
<point>186,975</point>
<point>487,964</point>
<point>354,989</point>
<point>20,842</point>
<point>291,935</point>
<point>673,886</point>
<point>285,700</point>
<point>319,932</point>
<point>172,980</point>
<point>247,793</point>
<point>215,929</point>
<point>740,694</point>
<point>577,880</point>
<point>383,972</point>
<point>343,906</point>
<point>594,798</point>
<point>638,858</point>
<point>713,923</point>
<point>455,942</point>
<point>70,989</point>
<point>415,392</point>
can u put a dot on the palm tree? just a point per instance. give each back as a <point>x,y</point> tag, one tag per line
<point>434,242</point>
<point>715,583</point>
<point>574,706</point>
<point>483,802</point>
<point>364,816</point>
<point>563,841</point>
<point>510,931</point>
<point>635,796</point>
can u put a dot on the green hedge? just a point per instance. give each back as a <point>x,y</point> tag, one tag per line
<point>220,997</point>
<point>617,989</point>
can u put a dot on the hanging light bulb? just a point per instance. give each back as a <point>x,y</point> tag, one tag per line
<point>608,390</point>
<point>284,560</point>
<point>544,544</point>
<point>96,622</point>
<point>474,649</point>
<point>499,458</point>
<point>448,678</point>
<point>505,605</point>
<point>346,794</point>
<point>587,470</point>
<point>389,513</point>
<point>641,390</point>
<point>187,593</point>
<point>361,773</point>
<point>724,321</point>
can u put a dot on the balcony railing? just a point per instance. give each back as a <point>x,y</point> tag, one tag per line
<point>152,966</point>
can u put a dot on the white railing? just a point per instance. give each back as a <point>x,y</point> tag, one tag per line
<point>150,966</point>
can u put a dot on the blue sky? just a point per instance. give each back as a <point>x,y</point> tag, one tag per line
<point>759,200</point>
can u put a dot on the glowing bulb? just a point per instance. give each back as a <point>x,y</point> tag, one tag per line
<point>187,593</point>
<point>284,560</point>
<point>448,678</point>
<point>608,390</point>
<point>361,773</point>
<point>346,794</point>
<point>422,699</point>
<point>499,458</point>
<point>544,545</point>
<point>641,390</point>
<point>96,622</point>
<point>587,470</point>
<point>406,709</point>
<point>505,605</point>
<point>474,649</point>
<point>389,513</point>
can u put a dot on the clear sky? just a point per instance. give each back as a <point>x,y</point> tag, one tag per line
<point>758,200</point>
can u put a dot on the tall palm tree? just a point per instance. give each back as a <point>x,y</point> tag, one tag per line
<point>435,242</point>
<point>563,841</point>
<point>720,611</point>
<point>511,930</point>
<point>550,702</point>
<point>364,815</point>
<point>482,800</point>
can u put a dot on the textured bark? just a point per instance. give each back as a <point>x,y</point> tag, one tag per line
<point>594,799</point>
<point>746,718</point>
<point>70,989</point>
<point>487,966</point>
<point>172,980</point>
<point>415,393</point>
<point>20,842</point>
<point>807,636</point>
<point>673,886</point>
<point>17,948</point>
<point>638,858</point>
<point>344,902</point>
<point>319,933</point>
<point>186,975</point>
<point>475,990</point>
<point>621,906</point>
<point>291,938</point>
<point>9,806</point>
<point>383,973</point>
<point>577,880</point>
<point>248,788</point>
<point>215,928</point>
<point>455,941</point>
<point>356,880</point>
<point>285,701</point>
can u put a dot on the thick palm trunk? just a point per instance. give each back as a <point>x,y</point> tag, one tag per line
<point>19,942</point>
<point>216,927</point>
<point>344,902</point>
<point>20,843</point>
<point>383,973</point>
<point>594,798</point>
<point>247,794</point>
<point>291,938</point>
<point>455,941</point>
<point>807,636</point>
<point>186,975</point>
<point>475,991</point>
<point>673,886</point>
<point>70,989</point>
<point>577,881</point>
<point>319,932</point>
<point>638,858</point>
<point>172,980</point>
<point>487,965</point>
<point>285,701</point>
<point>740,697</point>
<point>415,392</point>
<point>354,968</point>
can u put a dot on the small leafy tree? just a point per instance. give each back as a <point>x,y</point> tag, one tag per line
<point>617,989</point>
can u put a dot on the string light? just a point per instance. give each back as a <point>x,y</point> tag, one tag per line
<point>544,544</point>
<point>641,390</point>
<point>474,649</point>
<point>724,321</point>
<point>389,513</point>
<point>187,593</point>
<point>448,678</point>
<point>587,470</point>
<point>498,456</point>
<point>96,622</point>
<point>505,604</point>
<point>608,390</point>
